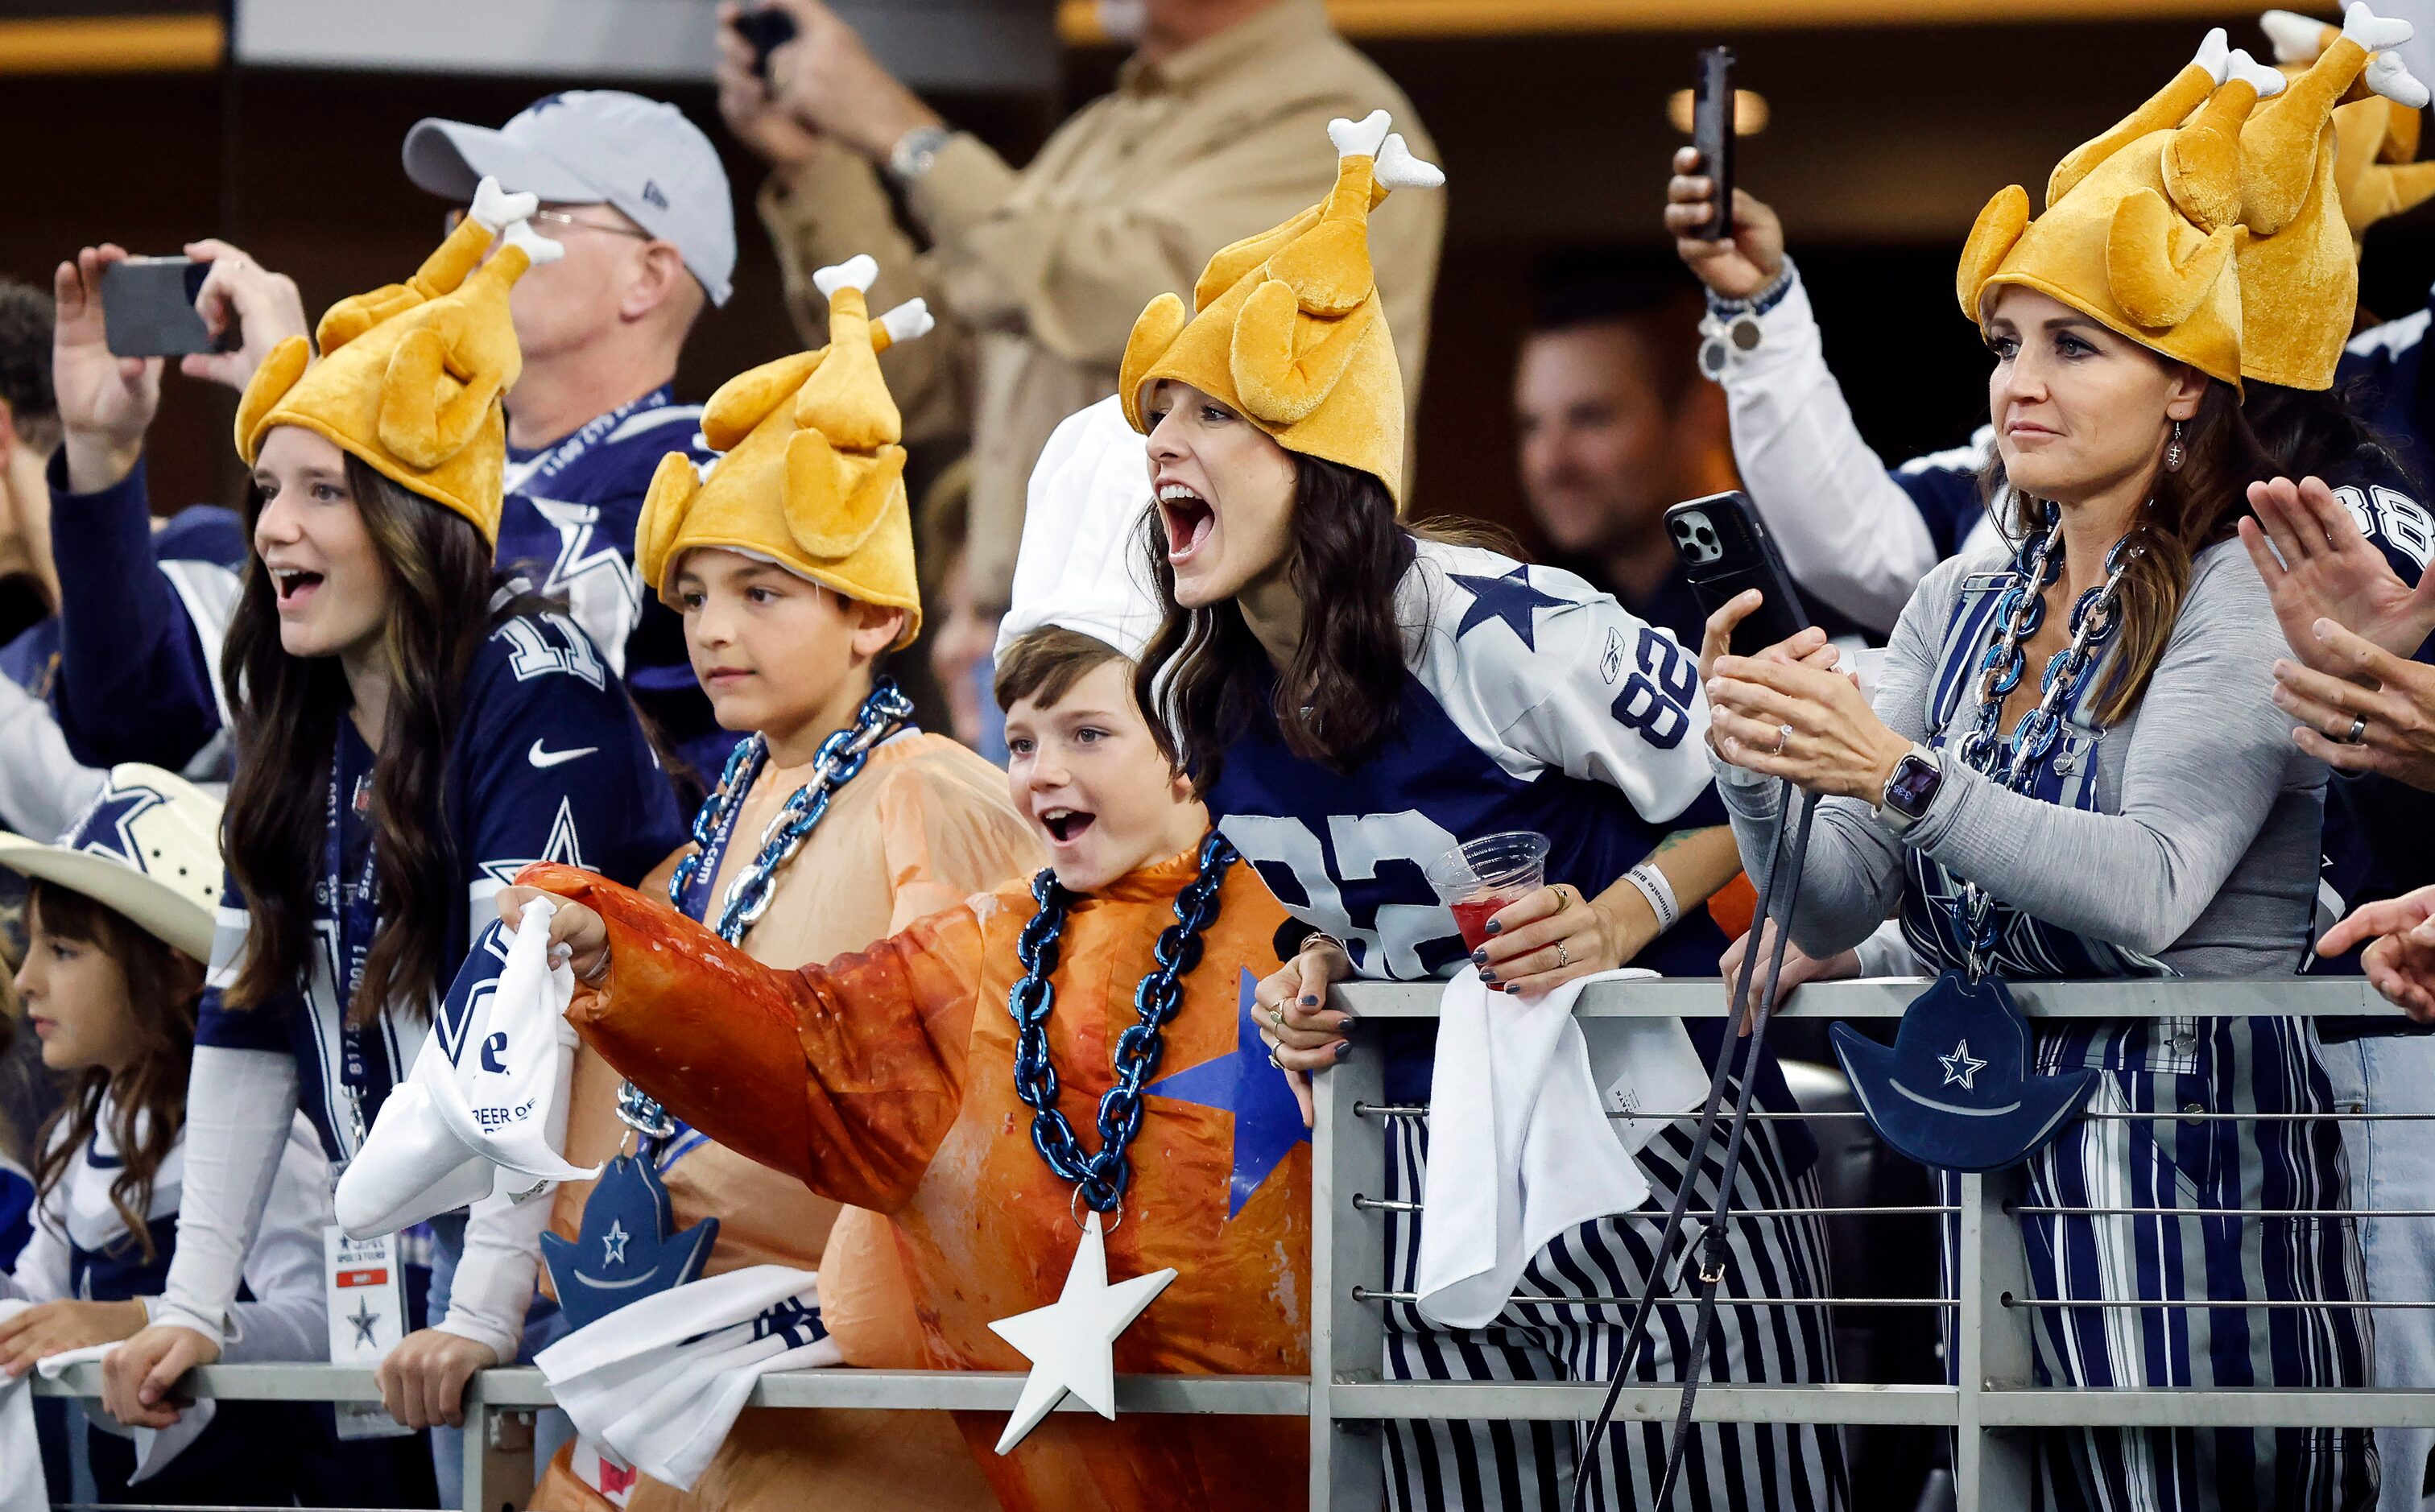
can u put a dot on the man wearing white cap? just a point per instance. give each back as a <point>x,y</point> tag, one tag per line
<point>637,196</point>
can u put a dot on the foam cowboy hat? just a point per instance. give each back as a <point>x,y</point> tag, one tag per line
<point>148,845</point>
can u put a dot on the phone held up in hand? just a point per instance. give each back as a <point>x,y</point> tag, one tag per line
<point>767,28</point>
<point>1712,133</point>
<point>1724,548</point>
<point>148,309</point>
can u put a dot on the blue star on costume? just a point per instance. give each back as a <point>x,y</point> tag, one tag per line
<point>1267,1120</point>
<point>640,1258</point>
<point>1509,598</point>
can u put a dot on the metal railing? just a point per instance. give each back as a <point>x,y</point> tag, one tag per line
<point>1345,1397</point>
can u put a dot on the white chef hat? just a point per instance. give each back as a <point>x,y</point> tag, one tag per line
<point>1081,566</point>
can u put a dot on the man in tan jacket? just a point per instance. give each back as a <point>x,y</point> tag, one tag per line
<point>1036,274</point>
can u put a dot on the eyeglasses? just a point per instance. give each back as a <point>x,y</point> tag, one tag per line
<point>558,221</point>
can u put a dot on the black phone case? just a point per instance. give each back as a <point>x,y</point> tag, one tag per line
<point>148,309</point>
<point>1736,554</point>
<point>767,28</point>
<point>1712,132</point>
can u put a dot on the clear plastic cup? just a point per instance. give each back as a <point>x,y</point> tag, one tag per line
<point>1479,877</point>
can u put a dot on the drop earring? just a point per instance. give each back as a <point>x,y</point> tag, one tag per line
<point>2175,453</point>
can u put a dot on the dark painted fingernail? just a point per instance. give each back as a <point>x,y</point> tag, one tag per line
<point>1344,1052</point>
<point>1495,928</point>
<point>1479,957</point>
<point>1344,1020</point>
<point>1309,999</point>
<point>1489,977</point>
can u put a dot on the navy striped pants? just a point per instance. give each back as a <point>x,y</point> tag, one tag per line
<point>2281,1167</point>
<point>1436,1465</point>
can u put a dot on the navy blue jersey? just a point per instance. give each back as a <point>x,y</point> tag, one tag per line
<point>1943,488</point>
<point>142,615</point>
<point>548,764</point>
<point>1529,701</point>
<point>569,525</point>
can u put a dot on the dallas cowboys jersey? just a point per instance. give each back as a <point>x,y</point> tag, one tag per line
<point>127,662</point>
<point>1529,701</point>
<point>548,764</point>
<point>569,525</point>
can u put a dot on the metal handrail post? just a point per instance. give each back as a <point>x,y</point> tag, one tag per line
<point>1348,1338</point>
<point>1991,1346</point>
<point>476,1447</point>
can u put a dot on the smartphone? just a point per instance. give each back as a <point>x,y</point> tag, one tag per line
<point>148,309</point>
<point>1724,548</point>
<point>767,28</point>
<point>1712,132</point>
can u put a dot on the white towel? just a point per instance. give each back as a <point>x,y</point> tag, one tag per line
<point>1520,1144</point>
<point>660,1381</point>
<point>21,1488</point>
<point>484,1107</point>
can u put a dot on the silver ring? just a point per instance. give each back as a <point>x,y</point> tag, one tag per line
<point>1277,1015</point>
<point>1564,897</point>
<point>1564,955</point>
<point>1783,733</point>
<point>1274,1060</point>
<point>2358,730</point>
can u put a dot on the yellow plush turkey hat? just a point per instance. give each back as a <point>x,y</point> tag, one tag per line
<point>813,478</point>
<point>410,375</point>
<point>2140,225</point>
<point>2299,266</point>
<point>1287,326</point>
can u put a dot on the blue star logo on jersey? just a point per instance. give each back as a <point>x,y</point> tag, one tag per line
<point>107,828</point>
<point>638,1259</point>
<point>1267,1120</point>
<point>1509,598</point>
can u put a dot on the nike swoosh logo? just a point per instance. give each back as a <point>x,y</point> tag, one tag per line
<point>547,758</point>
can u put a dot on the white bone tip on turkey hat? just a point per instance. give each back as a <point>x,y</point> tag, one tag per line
<point>858,272</point>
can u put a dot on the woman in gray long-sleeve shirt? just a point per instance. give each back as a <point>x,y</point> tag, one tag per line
<point>2072,769</point>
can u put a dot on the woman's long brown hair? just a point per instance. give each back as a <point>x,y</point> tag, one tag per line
<point>148,1097</point>
<point>288,711</point>
<point>1335,701</point>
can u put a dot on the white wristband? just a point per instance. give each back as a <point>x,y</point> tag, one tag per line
<point>1659,892</point>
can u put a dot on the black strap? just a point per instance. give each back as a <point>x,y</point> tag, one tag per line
<point>1784,879</point>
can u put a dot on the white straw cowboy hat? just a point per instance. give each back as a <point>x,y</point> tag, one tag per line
<point>148,845</point>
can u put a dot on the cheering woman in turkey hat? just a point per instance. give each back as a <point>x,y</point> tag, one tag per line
<point>2072,770</point>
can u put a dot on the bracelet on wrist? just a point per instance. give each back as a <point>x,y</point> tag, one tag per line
<point>1652,885</point>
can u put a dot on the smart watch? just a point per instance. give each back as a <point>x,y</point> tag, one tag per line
<point>1916,779</point>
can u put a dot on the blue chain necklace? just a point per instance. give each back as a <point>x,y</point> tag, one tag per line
<point>2020,608</point>
<point>840,760</point>
<point>1099,1180</point>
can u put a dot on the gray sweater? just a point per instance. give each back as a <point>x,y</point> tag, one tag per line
<point>2203,847</point>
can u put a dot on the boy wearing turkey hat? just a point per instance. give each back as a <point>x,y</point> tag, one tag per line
<point>836,822</point>
<point>895,1080</point>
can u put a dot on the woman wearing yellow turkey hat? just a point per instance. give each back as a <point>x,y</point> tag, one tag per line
<point>392,698</point>
<point>838,822</point>
<point>2086,702</point>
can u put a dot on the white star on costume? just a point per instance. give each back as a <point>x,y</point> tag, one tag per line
<point>613,1243</point>
<point>1961,1066</point>
<point>1071,1343</point>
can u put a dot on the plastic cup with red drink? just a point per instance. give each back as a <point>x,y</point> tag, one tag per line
<point>1477,878</point>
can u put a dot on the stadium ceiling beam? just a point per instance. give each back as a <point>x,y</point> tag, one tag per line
<point>1078,21</point>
